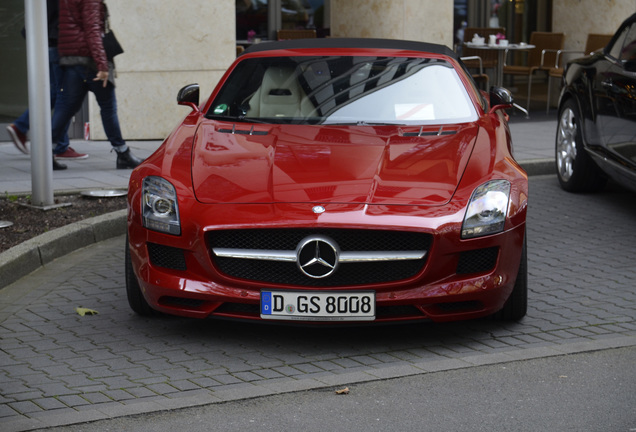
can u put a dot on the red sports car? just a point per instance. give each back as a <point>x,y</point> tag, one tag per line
<point>333,180</point>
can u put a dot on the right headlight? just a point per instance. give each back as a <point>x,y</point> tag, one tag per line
<point>159,206</point>
<point>487,209</point>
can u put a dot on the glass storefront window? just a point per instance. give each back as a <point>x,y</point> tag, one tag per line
<point>260,19</point>
<point>13,73</point>
<point>251,19</point>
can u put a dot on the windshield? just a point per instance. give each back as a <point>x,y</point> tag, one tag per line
<point>344,90</point>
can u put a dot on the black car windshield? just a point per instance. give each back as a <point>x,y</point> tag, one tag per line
<point>344,90</point>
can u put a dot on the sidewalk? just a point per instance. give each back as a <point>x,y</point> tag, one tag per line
<point>96,172</point>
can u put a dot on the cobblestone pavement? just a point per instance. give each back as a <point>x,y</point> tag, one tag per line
<point>57,367</point>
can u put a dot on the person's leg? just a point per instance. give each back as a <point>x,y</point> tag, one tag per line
<point>22,122</point>
<point>68,101</point>
<point>19,137</point>
<point>107,101</point>
<point>19,129</point>
<point>55,79</point>
<point>18,132</point>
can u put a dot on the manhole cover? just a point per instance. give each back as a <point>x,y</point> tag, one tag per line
<point>106,193</point>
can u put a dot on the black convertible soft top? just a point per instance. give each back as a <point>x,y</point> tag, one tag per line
<point>364,43</point>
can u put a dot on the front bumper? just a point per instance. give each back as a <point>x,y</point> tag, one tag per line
<point>457,280</point>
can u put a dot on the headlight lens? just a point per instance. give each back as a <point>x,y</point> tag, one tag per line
<point>160,209</point>
<point>487,209</point>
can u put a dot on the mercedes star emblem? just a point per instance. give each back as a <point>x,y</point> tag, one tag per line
<point>317,256</point>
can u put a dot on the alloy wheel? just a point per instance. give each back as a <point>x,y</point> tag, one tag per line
<point>566,144</point>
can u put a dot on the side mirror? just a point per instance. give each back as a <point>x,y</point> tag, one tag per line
<point>501,98</point>
<point>189,96</point>
<point>630,65</point>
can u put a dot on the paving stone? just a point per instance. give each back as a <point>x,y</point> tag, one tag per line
<point>25,407</point>
<point>120,363</point>
<point>162,388</point>
<point>7,411</point>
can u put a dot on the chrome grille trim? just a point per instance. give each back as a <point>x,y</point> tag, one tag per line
<point>344,257</point>
<point>256,254</point>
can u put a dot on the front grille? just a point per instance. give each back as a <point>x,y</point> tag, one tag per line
<point>460,306</point>
<point>348,240</point>
<point>398,312</point>
<point>166,257</point>
<point>288,273</point>
<point>347,274</point>
<point>182,302</point>
<point>477,261</point>
<point>406,311</point>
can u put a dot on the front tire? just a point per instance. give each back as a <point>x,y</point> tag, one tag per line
<point>516,306</point>
<point>136,298</point>
<point>575,169</point>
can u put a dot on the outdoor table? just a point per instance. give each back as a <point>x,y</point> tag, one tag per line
<point>501,55</point>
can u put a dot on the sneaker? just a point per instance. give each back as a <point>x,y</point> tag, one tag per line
<point>127,160</point>
<point>71,154</point>
<point>58,166</point>
<point>19,139</point>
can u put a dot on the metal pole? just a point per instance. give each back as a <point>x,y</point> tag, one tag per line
<point>39,102</point>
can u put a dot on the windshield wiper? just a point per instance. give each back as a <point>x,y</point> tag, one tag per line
<point>233,119</point>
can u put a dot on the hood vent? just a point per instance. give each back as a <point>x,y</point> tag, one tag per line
<point>429,133</point>
<point>242,131</point>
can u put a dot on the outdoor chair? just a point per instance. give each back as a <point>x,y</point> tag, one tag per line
<point>594,42</point>
<point>541,58</point>
<point>481,78</point>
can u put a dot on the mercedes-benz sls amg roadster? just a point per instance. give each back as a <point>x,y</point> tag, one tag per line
<point>333,180</point>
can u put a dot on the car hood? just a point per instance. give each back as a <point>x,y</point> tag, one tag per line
<point>386,165</point>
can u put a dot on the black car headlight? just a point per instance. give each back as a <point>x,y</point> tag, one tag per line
<point>487,209</point>
<point>159,206</point>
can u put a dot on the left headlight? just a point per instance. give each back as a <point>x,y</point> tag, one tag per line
<point>160,209</point>
<point>487,209</point>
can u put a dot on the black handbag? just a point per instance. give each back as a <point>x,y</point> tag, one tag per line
<point>111,44</point>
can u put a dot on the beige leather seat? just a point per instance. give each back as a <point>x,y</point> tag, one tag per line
<point>280,95</point>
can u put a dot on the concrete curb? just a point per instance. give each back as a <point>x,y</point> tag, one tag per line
<point>538,167</point>
<point>27,257</point>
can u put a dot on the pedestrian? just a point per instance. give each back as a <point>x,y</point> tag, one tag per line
<point>85,68</point>
<point>19,129</point>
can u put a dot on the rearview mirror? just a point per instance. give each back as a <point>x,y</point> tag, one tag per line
<point>189,96</point>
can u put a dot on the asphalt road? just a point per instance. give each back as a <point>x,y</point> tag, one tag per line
<point>568,365</point>
<point>577,392</point>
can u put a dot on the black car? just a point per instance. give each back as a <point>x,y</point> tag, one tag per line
<point>596,134</point>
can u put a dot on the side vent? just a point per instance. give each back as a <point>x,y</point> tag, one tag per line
<point>477,261</point>
<point>166,257</point>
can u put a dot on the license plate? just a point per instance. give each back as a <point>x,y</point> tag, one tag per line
<point>318,306</point>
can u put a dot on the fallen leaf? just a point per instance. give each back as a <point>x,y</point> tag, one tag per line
<point>85,311</point>
<point>343,391</point>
